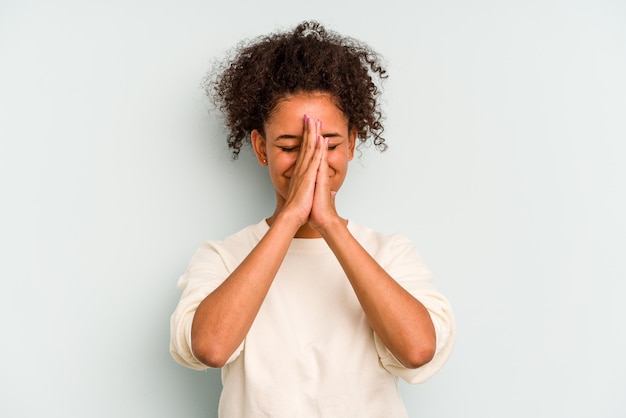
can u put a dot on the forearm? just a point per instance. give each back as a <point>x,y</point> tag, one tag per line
<point>224,317</point>
<point>401,322</point>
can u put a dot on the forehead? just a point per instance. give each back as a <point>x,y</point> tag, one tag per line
<point>291,109</point>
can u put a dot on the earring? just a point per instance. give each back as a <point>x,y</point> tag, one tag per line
<point>264,161</point>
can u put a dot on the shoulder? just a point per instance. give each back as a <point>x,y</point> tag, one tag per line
<point>378,244</point>
<point>250,235</point>
<point>368,236</point>
<point>397,255</point>
<point>232,247</point>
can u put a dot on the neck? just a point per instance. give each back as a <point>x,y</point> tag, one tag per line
<point>305,231</point>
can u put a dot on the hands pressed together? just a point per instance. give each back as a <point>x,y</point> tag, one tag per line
<point>310,196</point>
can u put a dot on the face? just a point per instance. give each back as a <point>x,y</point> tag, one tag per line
<point>280,146</point>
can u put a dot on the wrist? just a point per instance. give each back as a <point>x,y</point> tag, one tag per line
<point>285,220</point>
<point>332,227</point>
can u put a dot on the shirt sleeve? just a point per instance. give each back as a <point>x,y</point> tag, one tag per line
<point>402,262</point>
<point>208,268</point>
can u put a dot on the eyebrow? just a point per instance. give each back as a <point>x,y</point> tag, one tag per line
<point>287,136</point>
<point>299,137</point>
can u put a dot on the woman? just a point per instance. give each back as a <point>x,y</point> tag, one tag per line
<point>307,313</point>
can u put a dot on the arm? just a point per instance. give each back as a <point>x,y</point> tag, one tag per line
<point>400,321</point>
<point>224,317</point>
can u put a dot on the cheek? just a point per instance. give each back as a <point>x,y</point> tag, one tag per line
<point>338,159</point>
<point>283,161</point>
<point>288,159</point>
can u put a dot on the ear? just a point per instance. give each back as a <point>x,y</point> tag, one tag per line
<point>351,143</point>
<point>258,144</point>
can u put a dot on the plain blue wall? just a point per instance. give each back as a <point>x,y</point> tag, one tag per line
<point>506,129</point>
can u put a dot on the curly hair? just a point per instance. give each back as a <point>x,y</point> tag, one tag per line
<point>258,73</point>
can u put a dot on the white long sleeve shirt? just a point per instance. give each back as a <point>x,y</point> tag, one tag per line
<point>311,351</point>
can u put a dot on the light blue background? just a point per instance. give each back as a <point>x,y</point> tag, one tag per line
<point>506,126</point>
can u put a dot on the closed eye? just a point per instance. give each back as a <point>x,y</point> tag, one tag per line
<point>293,149</point>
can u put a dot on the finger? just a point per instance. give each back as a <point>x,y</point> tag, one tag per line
<point>323,167</point>
<point>322,182</point>
<point>308,161</point>
<point>307,147</point>
<point>320,149</point>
